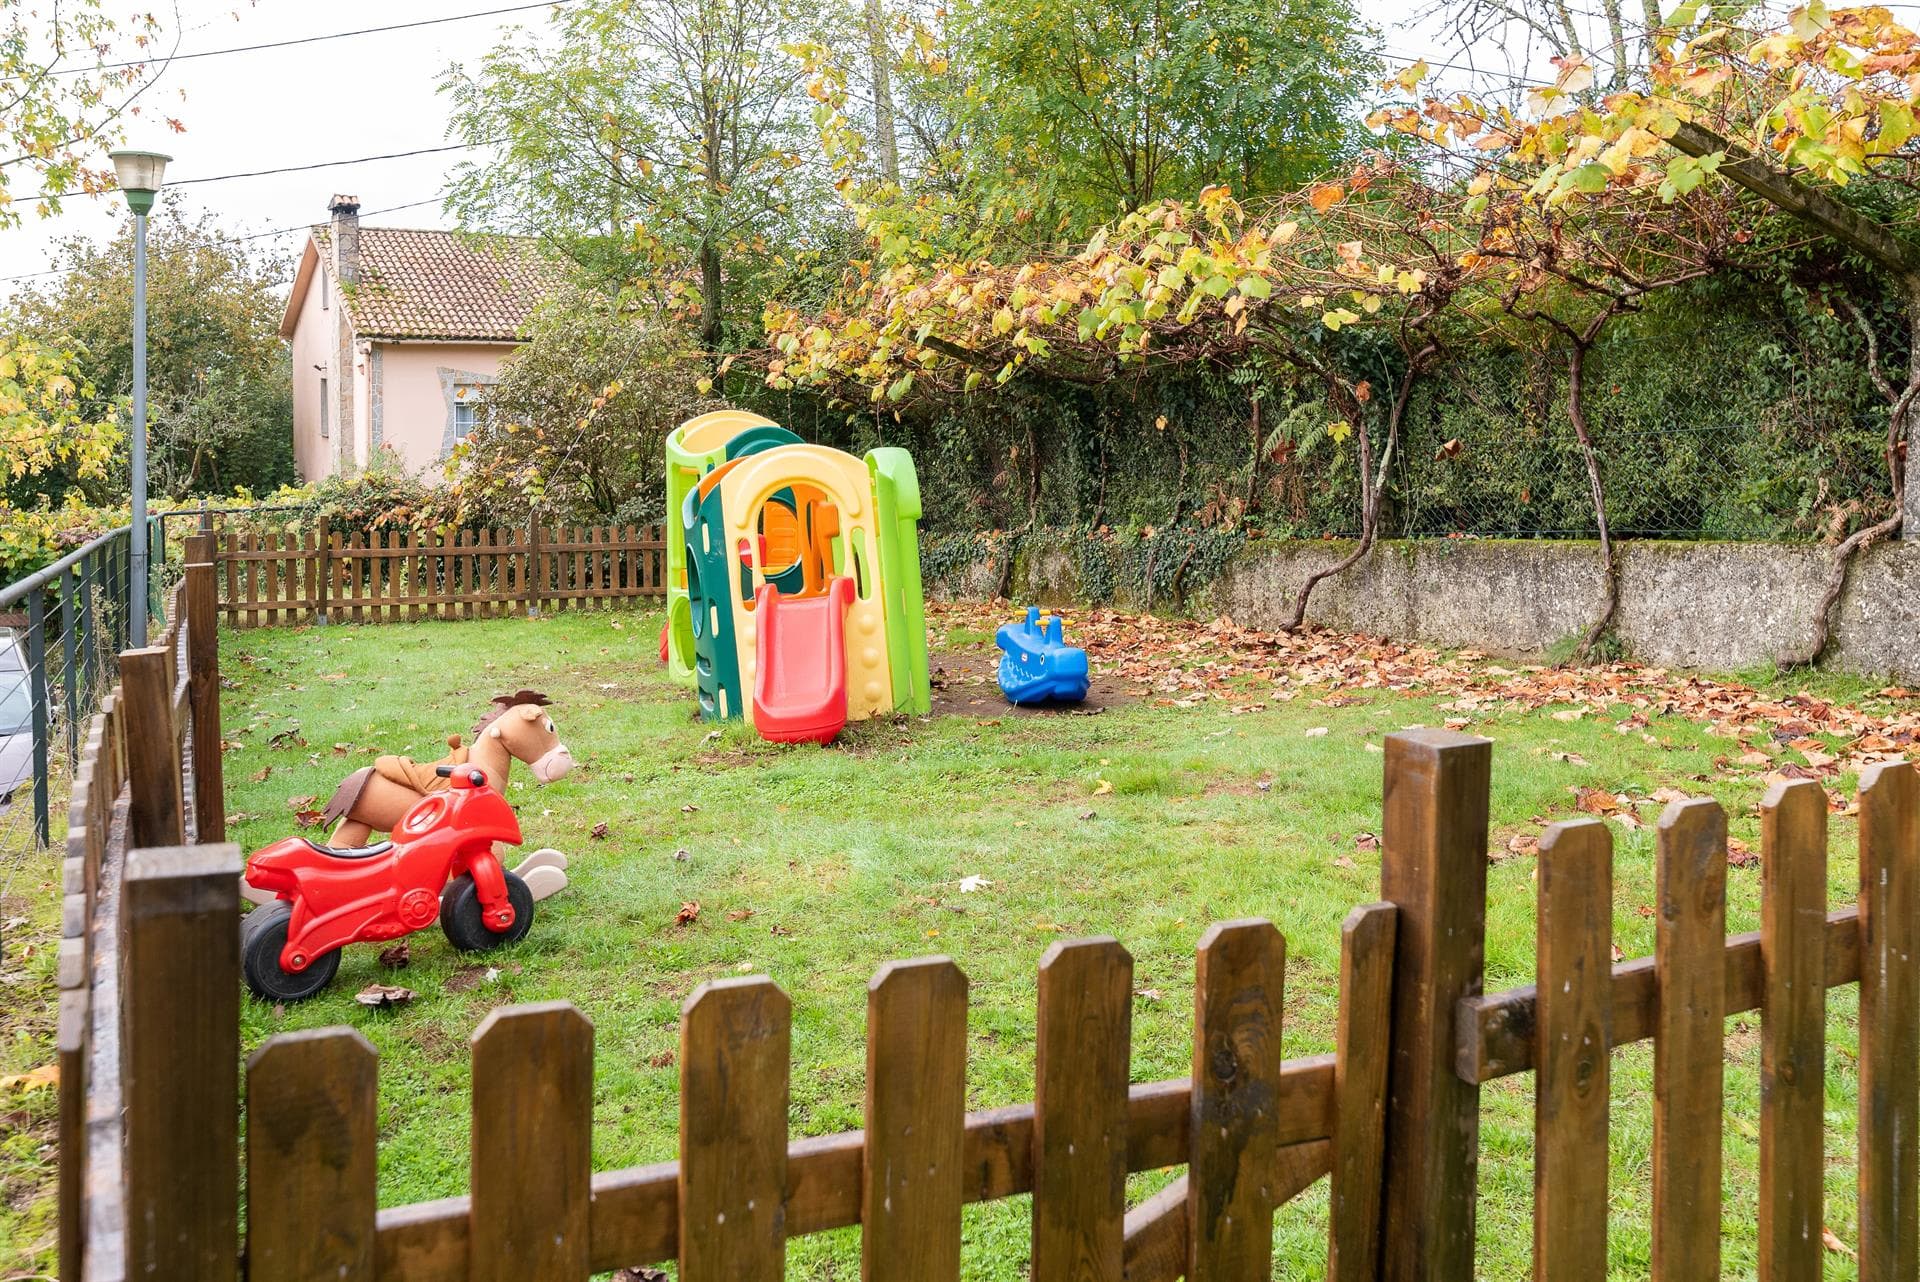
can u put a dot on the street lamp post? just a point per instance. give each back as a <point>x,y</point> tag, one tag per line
<point>140,174</point>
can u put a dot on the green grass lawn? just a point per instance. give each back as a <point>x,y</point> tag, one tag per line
<point>814,866</point>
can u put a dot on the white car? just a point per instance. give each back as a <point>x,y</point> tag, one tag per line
<point>16,719</point>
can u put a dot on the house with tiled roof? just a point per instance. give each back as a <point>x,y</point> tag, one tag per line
<point>394,332</point>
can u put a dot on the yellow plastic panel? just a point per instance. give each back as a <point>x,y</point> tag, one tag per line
<point>845,483</point>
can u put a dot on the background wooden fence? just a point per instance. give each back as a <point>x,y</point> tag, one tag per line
<point>273,576</point>
<point>1391,1118</point>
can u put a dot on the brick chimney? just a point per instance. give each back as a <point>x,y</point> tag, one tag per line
<point>346,238</point>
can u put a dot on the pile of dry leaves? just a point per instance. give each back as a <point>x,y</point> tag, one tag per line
<point>1183,663</point>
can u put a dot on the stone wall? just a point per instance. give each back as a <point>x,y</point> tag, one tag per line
<point>1718,606</point>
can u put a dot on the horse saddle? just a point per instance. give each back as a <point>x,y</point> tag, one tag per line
<point>405,771</point>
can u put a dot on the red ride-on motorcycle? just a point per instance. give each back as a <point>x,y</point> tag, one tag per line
<point>330,897</point>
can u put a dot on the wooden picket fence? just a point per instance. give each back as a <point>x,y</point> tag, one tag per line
<point>271,576</point>
<point>149,774</point>
<point>1391,1117</point>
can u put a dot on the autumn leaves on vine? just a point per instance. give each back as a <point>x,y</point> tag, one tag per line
<point>1471,214</point>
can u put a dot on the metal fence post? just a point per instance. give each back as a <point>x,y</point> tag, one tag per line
<point>37,689</point>
<point>69,674</point>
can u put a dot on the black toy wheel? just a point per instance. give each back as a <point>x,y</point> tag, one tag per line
<point>463,919</point>
<point>263,935</point>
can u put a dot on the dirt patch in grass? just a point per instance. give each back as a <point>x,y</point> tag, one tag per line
<point>966,683</point>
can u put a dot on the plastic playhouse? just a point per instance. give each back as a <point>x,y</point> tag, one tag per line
<point>1038,666</point>
<point>793,578</point>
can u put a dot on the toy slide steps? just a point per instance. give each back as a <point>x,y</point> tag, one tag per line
<point>800,676</point>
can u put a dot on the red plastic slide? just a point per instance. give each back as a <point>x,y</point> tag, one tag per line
<point>800,677</point>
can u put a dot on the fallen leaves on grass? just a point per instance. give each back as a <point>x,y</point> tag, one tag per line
<point>1366,841</point>
<point>401,954</point>
<point>659,1059</point>
<point>1741,855</point>
<point>383,996</point>
<point>688,914</point>
<point>1520,845</point>
<point>599,831</point>
<point>1597,801</point>
<point>1183,661</point>
<point>972,882</point>
<point>32,1080</point>
<point>1831,1240</point>
<point>1316,732</point>
<point>261,775</point>
<point>642,1274</point>
<point>1104,789</point>
<point>739,914</point>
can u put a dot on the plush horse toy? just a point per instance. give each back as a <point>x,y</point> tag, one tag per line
<point>374,798</point>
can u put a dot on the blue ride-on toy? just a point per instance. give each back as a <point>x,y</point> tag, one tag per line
<point>1038,666</point>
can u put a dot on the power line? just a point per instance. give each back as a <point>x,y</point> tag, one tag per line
<point>316,39</point>
<point>284,169</point>
<point>250,236</point>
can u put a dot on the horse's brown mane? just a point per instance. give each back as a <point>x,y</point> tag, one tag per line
<point>504,702</point>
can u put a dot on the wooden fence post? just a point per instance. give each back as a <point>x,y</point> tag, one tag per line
<point>1573,1016</point>
<point>735,1035</point>
<point>910,1187</point>
<point>1082,1050</point>
<point>532,1136</point>
<point>1233,1163</point>
<point>1434,870</point>
<point>1360,1093</point>
<point>1793,1028</point>
<point>536,572</point>
<point>203,696</point>
<point>180,994</point>
<point>1889,1022</point>
<point>324,555</point>
<point>311,1177</point>
<point>156,810</point>
<point>1689,1046</point>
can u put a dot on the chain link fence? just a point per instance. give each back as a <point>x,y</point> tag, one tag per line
<point>1785,481</point>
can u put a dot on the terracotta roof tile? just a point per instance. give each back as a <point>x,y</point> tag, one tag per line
<point>436,284</point>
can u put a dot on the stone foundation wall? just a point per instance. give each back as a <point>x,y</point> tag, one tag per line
<point>1718,606</point>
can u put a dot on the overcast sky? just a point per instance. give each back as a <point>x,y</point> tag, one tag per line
<point>334,100</point>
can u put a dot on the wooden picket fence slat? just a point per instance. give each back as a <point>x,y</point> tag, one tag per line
<point>1889,1033</point>
<point>1690,951</point>
<point>1573,950</point>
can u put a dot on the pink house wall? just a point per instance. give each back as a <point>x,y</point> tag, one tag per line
<point>413,395</point>
<point>312,345</point>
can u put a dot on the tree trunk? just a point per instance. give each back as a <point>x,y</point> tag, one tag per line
<point>1617,37</point>
<point>886,142</point>
<point>1609,568</point>
<point>1902,425</point>
<point>710,298</point>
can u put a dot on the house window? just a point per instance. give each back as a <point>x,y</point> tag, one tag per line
<point>466,409</point>
<point>326,410</point>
